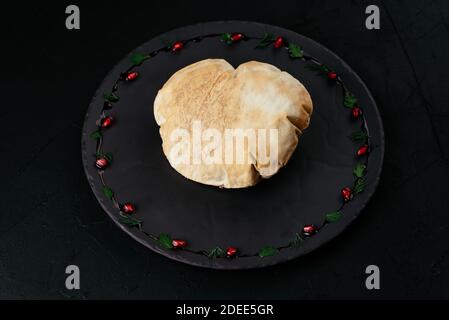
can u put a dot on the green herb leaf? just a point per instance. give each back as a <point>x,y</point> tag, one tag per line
<point>138,58</point>
<point>350,100</point>
<point>295,51</point>
<point>296,241</point>
<point>359,185</point>
<point>358,136</point>
<point>226,38</point>
<point>112,97</point>
<point>130,221</point>
<point>333,216</point>
<point>96,135</point>
<point>318,67</point>
<point>216,253</point>
<point>166,241</point>
<point>267,39</point>
<point>107,155</point>
<point>107,191</point>
<point>267,252</point>
<point>359,170</point>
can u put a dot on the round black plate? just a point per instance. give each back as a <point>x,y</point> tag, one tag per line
<point>270,214</point>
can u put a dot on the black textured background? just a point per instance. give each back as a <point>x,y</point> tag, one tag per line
<point>49,217</point>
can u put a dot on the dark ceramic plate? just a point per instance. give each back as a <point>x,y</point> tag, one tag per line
<point>268,223</point>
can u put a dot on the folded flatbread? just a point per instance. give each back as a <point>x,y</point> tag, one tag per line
<point>204,109</point>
